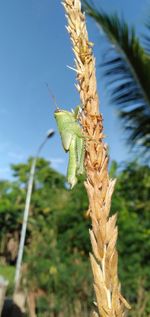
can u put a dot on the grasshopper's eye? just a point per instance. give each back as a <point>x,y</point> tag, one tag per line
<point>57,110</point>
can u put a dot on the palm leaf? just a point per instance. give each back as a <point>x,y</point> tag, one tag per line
<point>146,36</point>
<point>127,69</point>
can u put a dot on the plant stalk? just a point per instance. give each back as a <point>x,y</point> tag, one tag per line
<point>104,232</point>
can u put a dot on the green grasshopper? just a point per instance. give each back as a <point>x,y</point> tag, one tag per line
<point>72,141</point>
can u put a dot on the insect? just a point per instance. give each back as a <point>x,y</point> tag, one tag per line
<point>72,141</point>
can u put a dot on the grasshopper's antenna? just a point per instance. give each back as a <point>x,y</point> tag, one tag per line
<point>52,96</point>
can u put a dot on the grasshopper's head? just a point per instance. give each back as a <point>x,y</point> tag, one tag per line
<point>58,112</point>
<point>63,117</point>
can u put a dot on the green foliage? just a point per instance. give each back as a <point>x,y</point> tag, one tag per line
<point>57,246</point>
<point>8,273</point>
<point>132,201</point>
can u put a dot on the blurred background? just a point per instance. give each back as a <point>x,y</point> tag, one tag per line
<point>35,51</point>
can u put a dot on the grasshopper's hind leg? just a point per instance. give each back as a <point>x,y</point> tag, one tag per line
<point>80,150</point>
<point>72,164</point>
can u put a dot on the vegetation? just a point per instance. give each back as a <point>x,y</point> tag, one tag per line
<point>56,271</point>
<point>56,262</point>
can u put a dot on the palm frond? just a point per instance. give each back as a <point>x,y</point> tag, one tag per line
<point>146,37</point>
<point>127,69</point>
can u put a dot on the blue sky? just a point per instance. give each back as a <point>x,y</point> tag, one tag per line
<point>35,49</point>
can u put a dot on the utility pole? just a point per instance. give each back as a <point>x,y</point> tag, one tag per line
<point>26,212</point>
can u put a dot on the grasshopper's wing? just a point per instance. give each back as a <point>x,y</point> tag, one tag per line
<point>80,152</point>
<point>66,138</point>
<point>72,164</point>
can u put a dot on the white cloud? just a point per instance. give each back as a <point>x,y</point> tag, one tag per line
<point>4,170</point>
<point>5,173</point>
<point>56,161</point>
<point>15,155</point>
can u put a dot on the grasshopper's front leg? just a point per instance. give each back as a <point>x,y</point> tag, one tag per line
<point>72,164</point>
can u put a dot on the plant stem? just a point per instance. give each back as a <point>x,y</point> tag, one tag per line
<point>104,259</point>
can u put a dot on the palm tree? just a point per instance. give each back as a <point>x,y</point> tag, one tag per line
<point>127,70</point>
